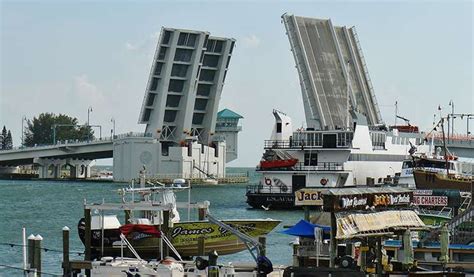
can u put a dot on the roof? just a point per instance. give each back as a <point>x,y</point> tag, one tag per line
<point>226,113</point>
<point>366,190</point>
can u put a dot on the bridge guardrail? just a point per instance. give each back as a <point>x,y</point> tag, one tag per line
<point>77,142</point>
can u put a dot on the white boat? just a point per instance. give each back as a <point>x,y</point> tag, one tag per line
<point>210,181</point>
<point>329,158</point>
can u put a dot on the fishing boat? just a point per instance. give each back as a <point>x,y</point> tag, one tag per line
<point>184,235</point>
<point>445,171</point>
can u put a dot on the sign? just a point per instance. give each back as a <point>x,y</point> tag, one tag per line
<point>353,202</point>
<point>390,199</point>
<point>425,200</point>
<point>308,197</point>
<point>423,192</point>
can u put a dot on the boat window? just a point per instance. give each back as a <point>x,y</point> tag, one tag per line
<point>329,141</point>
<point>407,164</point>
<point>310,159</point>
<point>278,127</point>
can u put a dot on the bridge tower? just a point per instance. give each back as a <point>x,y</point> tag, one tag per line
<point>333,74</point>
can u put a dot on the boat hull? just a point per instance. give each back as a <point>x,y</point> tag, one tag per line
<point>184,237</point>
<point>434,180</point>
<point>273,201</point>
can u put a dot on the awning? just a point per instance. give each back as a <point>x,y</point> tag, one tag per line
<point>141,228</point>
<point>379,223</point>
<point>305,229</point>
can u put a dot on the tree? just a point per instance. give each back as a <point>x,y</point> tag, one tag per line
<point>8,141</point>
<point>48,128</point>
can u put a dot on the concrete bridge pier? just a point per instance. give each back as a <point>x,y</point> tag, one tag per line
<point>80,168</point>
<point>49,168</point>
<point>52,168</point>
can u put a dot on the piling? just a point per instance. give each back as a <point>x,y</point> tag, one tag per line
<point>379,257</point>
<point>165,227</point>
<point>31,251</point>
<point>37,254</point>
<point>306,213</point>
<point>263,245</point>
<point>333,243</point>
<point>201,246</point>
<point>87,238</point>
<point>213,269</point>
<point>202,213</point>
<point>65,251</point>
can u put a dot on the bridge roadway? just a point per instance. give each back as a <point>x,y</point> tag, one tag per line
<point>85,150</point>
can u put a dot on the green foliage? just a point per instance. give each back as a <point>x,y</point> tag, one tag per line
<point>6,140</point>
<point>40,130</point>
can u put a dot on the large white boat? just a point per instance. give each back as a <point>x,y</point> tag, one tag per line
<point>328,158</point>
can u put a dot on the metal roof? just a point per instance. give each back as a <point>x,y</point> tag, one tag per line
<point>365,190</point>
<point>226,113</point>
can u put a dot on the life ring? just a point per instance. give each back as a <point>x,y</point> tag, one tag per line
<point>268,181</point>
<point>323,181</point>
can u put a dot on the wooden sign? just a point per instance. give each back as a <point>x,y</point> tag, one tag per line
<point>308,197</point>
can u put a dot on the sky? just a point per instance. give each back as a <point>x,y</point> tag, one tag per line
<point>64,57</point>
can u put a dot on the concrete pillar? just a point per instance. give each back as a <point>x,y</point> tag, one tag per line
<point>45,165</point>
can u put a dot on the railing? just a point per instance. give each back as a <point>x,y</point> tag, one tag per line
<point>267,189</point>
<point>297,144</point>
<point>323,166</point>
<point>78,142</point>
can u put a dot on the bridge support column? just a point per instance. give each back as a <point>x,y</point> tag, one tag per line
<point>80,168</point>
<point>49,168</point>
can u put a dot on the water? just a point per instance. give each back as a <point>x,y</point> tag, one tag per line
<point>45,207</point>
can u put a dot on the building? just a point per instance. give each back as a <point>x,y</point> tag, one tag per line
<point>227,129</point>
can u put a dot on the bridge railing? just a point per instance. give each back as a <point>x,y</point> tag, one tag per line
<point>78,142</point>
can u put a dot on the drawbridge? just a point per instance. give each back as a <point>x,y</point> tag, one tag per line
<point>333,73</point>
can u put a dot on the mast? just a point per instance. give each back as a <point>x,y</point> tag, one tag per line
<point>444,146</point>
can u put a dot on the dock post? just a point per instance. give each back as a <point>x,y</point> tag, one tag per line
<point>165,226</point>
<point>379,257</point>
<point>201,246</point>
<point>31,251</point>
<point>87,239</point>
<point>65,251</point>
<point>37,254</point>
<point>213,269</point>
<point>263,245</point>
<point>127,216</point>
<point>306,213</point>
<point>202,213</point>
<point>333,243</point>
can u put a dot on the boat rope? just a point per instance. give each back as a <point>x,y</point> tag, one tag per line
<point>29,270</point>
<point>45,249</point>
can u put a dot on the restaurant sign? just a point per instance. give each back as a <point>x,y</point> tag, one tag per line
<point>427,200</point>
<point>362,201</point>
<point>308,197</point>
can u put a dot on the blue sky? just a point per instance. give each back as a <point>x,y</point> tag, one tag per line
<point>63,57</point>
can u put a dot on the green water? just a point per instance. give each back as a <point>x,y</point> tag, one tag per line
<point>45,207</point>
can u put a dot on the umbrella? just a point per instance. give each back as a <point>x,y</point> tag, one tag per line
<point>444,247</point>
<point>407,249</point>
<point>305,229</point>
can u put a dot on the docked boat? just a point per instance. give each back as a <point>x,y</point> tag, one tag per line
<point>308,158</point>
<point>184,235</point>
